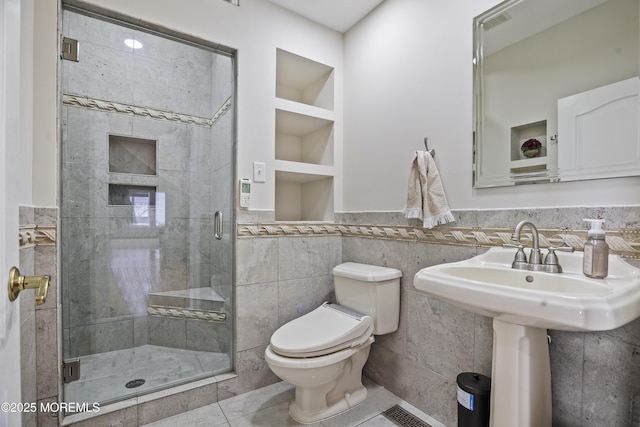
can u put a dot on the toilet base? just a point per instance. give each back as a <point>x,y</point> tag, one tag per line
<point>343,392</point>
<point>347,402</point>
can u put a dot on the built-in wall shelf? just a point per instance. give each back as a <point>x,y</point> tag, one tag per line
<point>303,80</point>
<point>304,168</point>
<point>304,109</point>
<point>528,163</point>
<point>520,164</point>
<point>133,172</point>
<point>131,195</point>
<point>303,197</point>
<point>132,155</point>
<point>304,139</point>
<point>520,134</point>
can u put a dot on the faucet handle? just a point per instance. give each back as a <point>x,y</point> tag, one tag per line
<point>513,245</point>
<point>551,263</point>
<point>563,248</point>
<point>520,261</point>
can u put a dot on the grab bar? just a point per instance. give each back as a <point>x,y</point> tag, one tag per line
<point>217,225</point>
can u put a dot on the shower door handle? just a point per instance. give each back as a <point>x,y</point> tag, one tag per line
<point>217,225</point>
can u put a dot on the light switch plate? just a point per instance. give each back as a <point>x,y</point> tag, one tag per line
<point>259,173</point>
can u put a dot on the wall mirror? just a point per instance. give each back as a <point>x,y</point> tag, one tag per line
<point>556,91</point>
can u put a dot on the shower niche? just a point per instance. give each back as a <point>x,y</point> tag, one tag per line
<point>132,155</point>
<point>130,158</point>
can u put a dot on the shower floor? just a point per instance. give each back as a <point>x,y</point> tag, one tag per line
<point>103,376</point>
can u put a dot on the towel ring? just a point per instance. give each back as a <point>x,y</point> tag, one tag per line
<point>426,147</point>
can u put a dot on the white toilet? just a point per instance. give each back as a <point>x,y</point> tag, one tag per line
<point>323,352</point>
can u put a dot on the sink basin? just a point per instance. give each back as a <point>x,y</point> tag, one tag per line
<point>524,304</point>
<point>569,301</point>
<point>541,282</point>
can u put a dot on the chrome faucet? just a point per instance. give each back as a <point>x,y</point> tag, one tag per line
<point>534,262</point>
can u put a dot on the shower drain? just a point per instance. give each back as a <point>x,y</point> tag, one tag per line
<point>403,418</point>
<point>134,383</point>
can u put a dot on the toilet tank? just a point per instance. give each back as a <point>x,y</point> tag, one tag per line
<point>371,290</point>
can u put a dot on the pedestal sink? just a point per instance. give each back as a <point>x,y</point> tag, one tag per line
<point>523,305</point>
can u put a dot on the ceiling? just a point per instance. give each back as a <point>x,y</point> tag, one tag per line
<point>339,15</point>
<point>530,17</point>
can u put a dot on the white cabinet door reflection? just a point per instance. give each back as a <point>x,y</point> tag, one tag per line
<point>598,132</point>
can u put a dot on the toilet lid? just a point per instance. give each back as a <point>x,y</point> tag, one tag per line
<point>327,329</point>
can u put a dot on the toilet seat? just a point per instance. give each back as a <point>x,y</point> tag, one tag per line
<point>327,329</point>
<point>274,359</point>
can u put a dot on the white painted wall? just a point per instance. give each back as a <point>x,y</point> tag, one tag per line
<point>255,29</point>
<point>26,100</point>
<point>44,161</point>
<point>408,74</point>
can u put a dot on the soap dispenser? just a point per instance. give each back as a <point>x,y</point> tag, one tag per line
<point>596,251</point>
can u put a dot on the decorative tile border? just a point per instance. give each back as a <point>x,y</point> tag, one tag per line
<point>119,107</point>
<point>221,111</point>
<point>36,235</point>
<point>186,313</point>
<point>283,229</point>
<point>623,242</point>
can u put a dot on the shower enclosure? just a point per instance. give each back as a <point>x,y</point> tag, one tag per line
<point>146,202</point>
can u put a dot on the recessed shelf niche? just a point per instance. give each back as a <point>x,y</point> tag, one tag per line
<point>303,80</point>
<point>519,134</point>
<point>131,195</point>
<point>132,155</point>
<point>529,170</point>
<point>304,139</point>
<point>303,197</point>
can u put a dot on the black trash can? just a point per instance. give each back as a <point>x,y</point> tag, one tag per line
<point>474,393</point>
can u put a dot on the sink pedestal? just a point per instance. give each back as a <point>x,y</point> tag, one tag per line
<point>521,376</point>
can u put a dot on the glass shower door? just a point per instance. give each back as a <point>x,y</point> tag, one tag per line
<point>146,199</point>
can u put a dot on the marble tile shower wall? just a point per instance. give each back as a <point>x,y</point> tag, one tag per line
<point>163,74</point>
<point>592,373</point>
<point>114,259</point>
<point>106,246</point>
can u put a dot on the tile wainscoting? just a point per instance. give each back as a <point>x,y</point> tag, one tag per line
<point>284,271</point>
<point>39,323</point>
<point>622,241</point>
<point>436,341</point>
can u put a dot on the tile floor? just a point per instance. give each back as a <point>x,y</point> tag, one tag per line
<point>269,407</point>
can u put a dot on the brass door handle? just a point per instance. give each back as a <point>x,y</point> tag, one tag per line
<point>18,283</point>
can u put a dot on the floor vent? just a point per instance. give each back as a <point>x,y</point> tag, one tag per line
<point>403,418</point>
<point>134,383</point>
